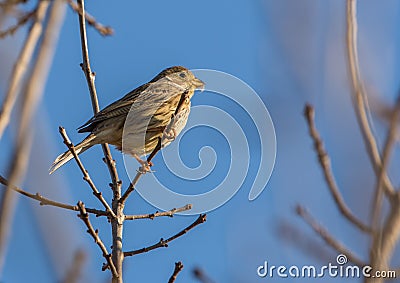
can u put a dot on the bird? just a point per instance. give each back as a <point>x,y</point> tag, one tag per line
<point>151,115</point>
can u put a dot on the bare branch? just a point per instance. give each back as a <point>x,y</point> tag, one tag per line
<point>131,187</point>
<point>103,30</point>
<point>324,234</point>
<point>325,164</point>
<point>85,173</point>
<point>178,268</point>
<point>169,213</point>
<point>21,21</point>
<point>360,98</point>
<point>45,201</point>
<point>139,173</point>
<point>164,243</point>
<point>94,233</point>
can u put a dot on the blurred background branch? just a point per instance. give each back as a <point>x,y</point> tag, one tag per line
<point>383,237</point>
<point>32,93</point>
<point>74,272</point>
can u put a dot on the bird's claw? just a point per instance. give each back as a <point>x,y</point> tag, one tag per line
<point>170,135</point>
<point>145,166</point>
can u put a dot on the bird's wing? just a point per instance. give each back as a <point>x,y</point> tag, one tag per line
<point>150,94</point>
<point>119,107</point>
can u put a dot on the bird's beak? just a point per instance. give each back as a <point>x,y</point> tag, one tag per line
<point>198,84</point>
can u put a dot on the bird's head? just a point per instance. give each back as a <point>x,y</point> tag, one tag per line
<point>182,77</point>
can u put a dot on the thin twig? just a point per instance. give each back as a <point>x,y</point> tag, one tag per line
<point>94,233</point>
<point>324,234</point>
<point>164,243</point>
<point>131,187</point>
<point>139,174</point>
<point>85,173</point>
<point>325,164</point>
<point>21,21</point>
<point>45,201</point>
<point>102,29</point>
<point>178,268</point>
<point>169,213</point>
<point>359,98</point>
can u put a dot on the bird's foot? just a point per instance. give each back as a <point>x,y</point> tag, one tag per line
<point>145,165</point>
<point>170,135</point>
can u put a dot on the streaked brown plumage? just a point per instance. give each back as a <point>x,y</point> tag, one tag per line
<point>136,122</point>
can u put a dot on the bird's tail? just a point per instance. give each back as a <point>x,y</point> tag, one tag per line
<point>67,156</point>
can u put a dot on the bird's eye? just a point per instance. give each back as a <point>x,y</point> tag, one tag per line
<point>182,75</point>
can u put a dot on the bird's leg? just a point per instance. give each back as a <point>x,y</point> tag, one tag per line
<point>154,152</point>
<point>171,135</point>
<point>146,164</point>
<point>170,132</point>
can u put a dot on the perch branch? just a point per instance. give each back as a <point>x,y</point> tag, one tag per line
<point>325,164</point>
<point>164,243</point>
<point>85,173</point>
<point>324,234</point>
<point>131,187</point>
<point>139,174</point>
<point>94,233</point>
<point>169,213</point>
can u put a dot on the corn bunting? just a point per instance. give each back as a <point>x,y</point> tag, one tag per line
<point>149,116</point>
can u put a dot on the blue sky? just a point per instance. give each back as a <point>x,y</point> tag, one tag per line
<point>289,52</point>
